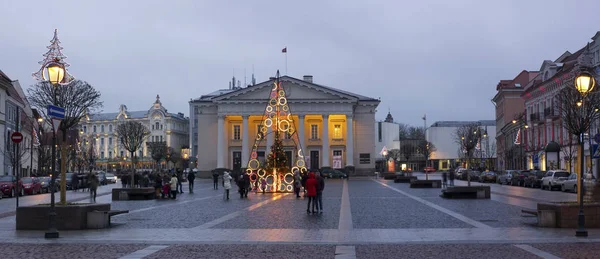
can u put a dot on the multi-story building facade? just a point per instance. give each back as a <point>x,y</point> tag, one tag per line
<point>171,128</point>
<point>335,128</point>
<point>448,153</point>
<point>509,106</point>
<point>543,115</point>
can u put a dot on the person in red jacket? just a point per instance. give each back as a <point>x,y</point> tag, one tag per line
<point>311,192</point>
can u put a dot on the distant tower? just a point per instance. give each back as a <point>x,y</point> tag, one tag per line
<point>389,117</point>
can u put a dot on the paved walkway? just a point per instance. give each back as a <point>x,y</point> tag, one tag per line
<point>361,216</point>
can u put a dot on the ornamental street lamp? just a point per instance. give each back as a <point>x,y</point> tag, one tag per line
<point>54,71</point>
<point>584,83</point>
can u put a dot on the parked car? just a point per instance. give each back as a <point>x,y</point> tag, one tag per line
<point>534,180</point>
<point>570,185</point>
<point>8,185</point>
<point>45,183</point>
<point>31,186</point>
<point>332,173</point>
<point>487,177</point>
<point>554,179</point>
<point>474,175</point>
<point>110,178</point>
<point>506,177</point>
<point>518,179</point>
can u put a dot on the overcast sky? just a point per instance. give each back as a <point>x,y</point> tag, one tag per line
<point>440,58</point>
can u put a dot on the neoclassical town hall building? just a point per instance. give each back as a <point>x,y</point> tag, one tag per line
<point>335,128</point>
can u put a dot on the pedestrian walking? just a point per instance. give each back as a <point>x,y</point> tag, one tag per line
<point>226,184</point>
<point>246,184</point>
<point>241,183</point>
<point>179,181</point>
<point>215,176</point>
<point>452,176</point>
<point>191,177</point>
<point>297,184</point>
<point>174,183</point>
<point>93,185</point>
<point>157,186</point>
<point>444,180</point>
<point>311,192</point>
<point>320,187</point>
<point>74,181</point>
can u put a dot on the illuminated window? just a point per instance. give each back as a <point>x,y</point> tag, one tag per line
<point>236,132</point>
<point>314,131</point>
<point>337,131</point>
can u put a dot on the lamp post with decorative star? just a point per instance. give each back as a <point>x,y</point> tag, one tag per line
<point>53,70</point>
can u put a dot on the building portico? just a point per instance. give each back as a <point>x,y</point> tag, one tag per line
<point>332,127</point>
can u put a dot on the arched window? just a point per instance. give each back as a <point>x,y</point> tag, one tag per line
<point>84,129</point>
<point>101,128</point>
<point>94,128</point>
<point>156,125</point>
<point>110,128</point>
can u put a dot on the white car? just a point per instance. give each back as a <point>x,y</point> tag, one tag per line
<point>554,179</point>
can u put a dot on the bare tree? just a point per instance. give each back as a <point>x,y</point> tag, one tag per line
<point>467,137</point>
<point>407,150</point>
<point>172,156</point>
<point>568,152</point>
<point>132,135</point>
<point>14,153</point>
<point>77,98</point>
<point>403,131</point>
<point>416,133</point>
<point>577,113</point>
<point>158,151</point>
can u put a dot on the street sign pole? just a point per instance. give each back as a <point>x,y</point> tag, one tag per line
<point>56,114</point>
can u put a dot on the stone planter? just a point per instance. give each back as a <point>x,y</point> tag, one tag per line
<point>468,192</point>
<point>126,194</point>
<point>564,215</point>
<point>404,179</point>
<point>425,183</point>
<point>69,217</point>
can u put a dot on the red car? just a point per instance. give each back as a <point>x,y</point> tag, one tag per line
<point>31,185</point>
<point>8,185</point>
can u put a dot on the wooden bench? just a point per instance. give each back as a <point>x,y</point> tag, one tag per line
<point>469,192</point>
<point>101,219</point>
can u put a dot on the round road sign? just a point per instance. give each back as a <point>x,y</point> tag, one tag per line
<point>16,137</point>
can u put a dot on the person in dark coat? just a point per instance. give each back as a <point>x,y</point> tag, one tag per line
<point>74,181</point>
<point>311,192</point>
<point>190,177</point>
<point>246,184</point>
<point>304,178</point>
<point>158,186</point>
<point>215,176</point>
<point>320,187</point>
<point>241,183</point>
<point>179,181</point>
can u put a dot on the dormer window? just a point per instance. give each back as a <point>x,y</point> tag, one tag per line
<point>546,76</point>
<point>518,85</point>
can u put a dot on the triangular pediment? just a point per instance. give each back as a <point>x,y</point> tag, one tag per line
<point>295,90</point>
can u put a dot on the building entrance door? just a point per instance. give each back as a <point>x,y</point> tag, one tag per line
<point>237,160</point>
<point>314,159</point>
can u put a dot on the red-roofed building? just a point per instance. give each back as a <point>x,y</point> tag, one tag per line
<point>509,105</point>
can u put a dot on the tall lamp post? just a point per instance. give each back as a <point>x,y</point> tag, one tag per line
<point>54,71</point>
<point>584,83</point>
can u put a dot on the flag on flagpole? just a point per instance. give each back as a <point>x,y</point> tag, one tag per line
<point>424,116</point>
<point>284,50</point>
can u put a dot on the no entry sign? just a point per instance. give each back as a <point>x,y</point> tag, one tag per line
<point>16,137</point>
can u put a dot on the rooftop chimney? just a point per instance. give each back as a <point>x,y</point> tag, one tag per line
<point>308,78</point>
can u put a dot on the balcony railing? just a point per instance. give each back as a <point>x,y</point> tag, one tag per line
<point>552,112</point>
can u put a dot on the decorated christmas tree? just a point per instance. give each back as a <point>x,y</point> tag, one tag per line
<point>277,159</point>
<point>277,120</point>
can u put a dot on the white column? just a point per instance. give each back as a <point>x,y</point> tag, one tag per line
<point>220,141</point>
<point>245,151</point>
<point>300,132</point>
<point>325,141</point>
<point>349,141</point>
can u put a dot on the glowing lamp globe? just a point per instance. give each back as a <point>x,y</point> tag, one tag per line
<point>55,73</point>
<point>585,82</point>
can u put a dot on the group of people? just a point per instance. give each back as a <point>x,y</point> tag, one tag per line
<point>311,184</point>
<point>169,185</point>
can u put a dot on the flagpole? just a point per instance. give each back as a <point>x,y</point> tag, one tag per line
<point>286,71</point>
